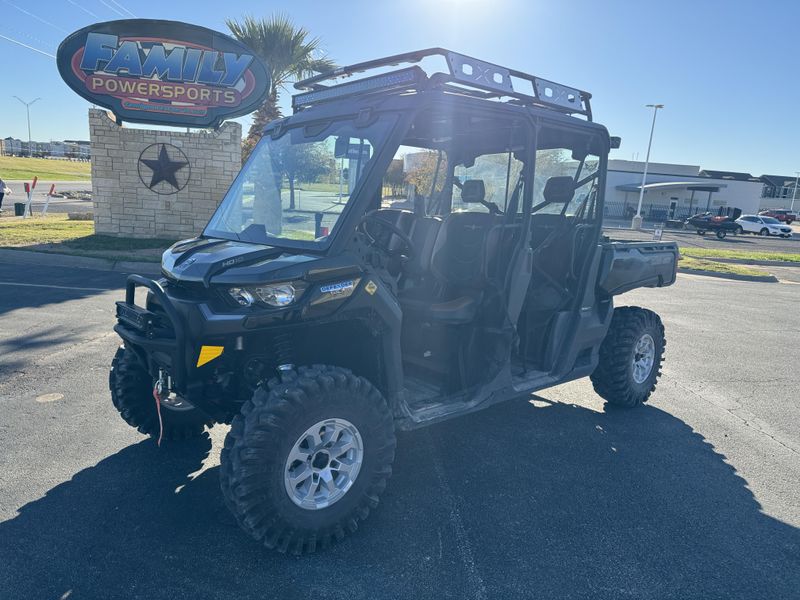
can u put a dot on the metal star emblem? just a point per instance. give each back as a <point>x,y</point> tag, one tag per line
<point>164,168</point>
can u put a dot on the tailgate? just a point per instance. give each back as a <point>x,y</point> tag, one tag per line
<point>629,265</point>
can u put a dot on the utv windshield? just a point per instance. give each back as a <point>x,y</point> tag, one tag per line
<point>293,190</point>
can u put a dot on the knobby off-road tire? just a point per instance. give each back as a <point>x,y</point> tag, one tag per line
<point>634,333</point>
<point>132,394</point>
<point>255,462</point>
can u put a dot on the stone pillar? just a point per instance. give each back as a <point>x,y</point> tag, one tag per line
<point>166,184</point>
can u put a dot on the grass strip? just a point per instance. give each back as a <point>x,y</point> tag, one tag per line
<point>698,264</point>
<point>46,169</point>
<point>712,253</point>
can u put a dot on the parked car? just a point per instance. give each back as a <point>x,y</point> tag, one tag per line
<point>782,214</point>
<point>762,225</point>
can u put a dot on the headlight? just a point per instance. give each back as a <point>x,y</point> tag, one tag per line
<point>281,294</point>
<point>275,294</point>
<point>242,296</point>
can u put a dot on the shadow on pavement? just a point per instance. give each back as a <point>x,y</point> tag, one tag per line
<point>527,499</point>
<point>33,286</point>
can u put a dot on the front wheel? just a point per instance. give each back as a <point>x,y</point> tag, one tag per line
<point>630,357</point>
<point>764,232</point>
<point>307,458</point>
<point>720,234</point>
<point>132,394</point>
<point>701,232</point>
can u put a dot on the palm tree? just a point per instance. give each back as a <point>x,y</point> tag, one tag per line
<point>289,54</point>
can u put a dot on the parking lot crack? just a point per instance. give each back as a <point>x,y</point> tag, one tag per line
<point>742,414</point>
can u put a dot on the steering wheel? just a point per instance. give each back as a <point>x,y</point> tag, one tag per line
<point>407,249</point>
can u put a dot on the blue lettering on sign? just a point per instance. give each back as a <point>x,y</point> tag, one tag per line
<point>191,63</point>
<point>126,57</point>
<point>208,74</point>
<point>164,65</point>
<point>154,71</point>
<point>98,47</point>
<point>234,67</point>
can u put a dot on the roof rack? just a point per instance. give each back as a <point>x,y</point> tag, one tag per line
<point>464,73</point>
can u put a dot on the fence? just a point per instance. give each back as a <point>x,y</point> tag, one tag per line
<point>655,212</point>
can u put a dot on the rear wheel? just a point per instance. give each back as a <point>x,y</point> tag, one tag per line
<point>307,458</point>
<point>630,357</point>
<point>132,394</point>
<point>739,230</point>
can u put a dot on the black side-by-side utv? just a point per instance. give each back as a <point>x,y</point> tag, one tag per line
<point>411,245</point>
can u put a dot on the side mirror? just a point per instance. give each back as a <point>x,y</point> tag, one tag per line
<point>616,142</point>
<point>342,146</point>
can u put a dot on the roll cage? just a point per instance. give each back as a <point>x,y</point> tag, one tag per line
<point>463,84</point>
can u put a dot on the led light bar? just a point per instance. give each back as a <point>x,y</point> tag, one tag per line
<point>403,78</point>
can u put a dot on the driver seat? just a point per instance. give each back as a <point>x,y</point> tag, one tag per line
<point>462,253</point>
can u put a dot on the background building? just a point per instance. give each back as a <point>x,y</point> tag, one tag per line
<point>72,149</point>
<point>679,191</point>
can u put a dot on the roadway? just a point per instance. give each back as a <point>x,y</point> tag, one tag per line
<point>57,205</point>
<point>692,496</point>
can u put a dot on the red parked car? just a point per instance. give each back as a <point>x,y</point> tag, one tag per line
<point>781,214</point>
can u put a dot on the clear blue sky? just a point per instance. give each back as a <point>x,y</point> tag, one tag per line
<point>727,72</point>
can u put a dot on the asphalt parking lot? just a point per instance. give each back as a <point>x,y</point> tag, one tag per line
<point>687,238</point>
<point>692,496</point>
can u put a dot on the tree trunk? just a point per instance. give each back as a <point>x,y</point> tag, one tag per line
<point>266,113</point>
<point>291,192</point>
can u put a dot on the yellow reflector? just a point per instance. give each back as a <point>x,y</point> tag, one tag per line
<point>209,353</point>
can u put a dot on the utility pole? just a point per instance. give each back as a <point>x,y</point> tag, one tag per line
<point>28,111</point>
<point>794,192</point>
<point>637,218</point>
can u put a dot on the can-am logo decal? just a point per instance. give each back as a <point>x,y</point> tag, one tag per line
<point>153,71</point>
<point>336,289</point>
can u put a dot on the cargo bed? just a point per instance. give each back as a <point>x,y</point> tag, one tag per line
<point>625,266</point>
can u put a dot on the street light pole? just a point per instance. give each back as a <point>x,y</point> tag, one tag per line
<point>794,192</point>
<point>28,111</point>
<point>637,219</point>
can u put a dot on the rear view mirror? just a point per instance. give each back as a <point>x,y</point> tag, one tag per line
<point>616,142</point>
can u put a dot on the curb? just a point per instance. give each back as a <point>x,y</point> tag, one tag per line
<point>759,278</point>
<point>51,259</point>
<point>745,261</point>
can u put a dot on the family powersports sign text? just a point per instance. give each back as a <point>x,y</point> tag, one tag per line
<point>153,71</point>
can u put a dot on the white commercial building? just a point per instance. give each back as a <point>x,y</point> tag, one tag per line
<point>677,191</point>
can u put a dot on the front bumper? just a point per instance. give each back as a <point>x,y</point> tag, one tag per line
<point>162,335</point>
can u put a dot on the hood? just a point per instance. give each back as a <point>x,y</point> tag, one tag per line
<point>201,259</point>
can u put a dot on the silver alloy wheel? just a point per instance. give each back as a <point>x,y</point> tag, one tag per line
<point>323,464</point>
<point>644,355</point>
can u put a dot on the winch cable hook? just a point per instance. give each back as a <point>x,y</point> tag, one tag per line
<point>157,397</point>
